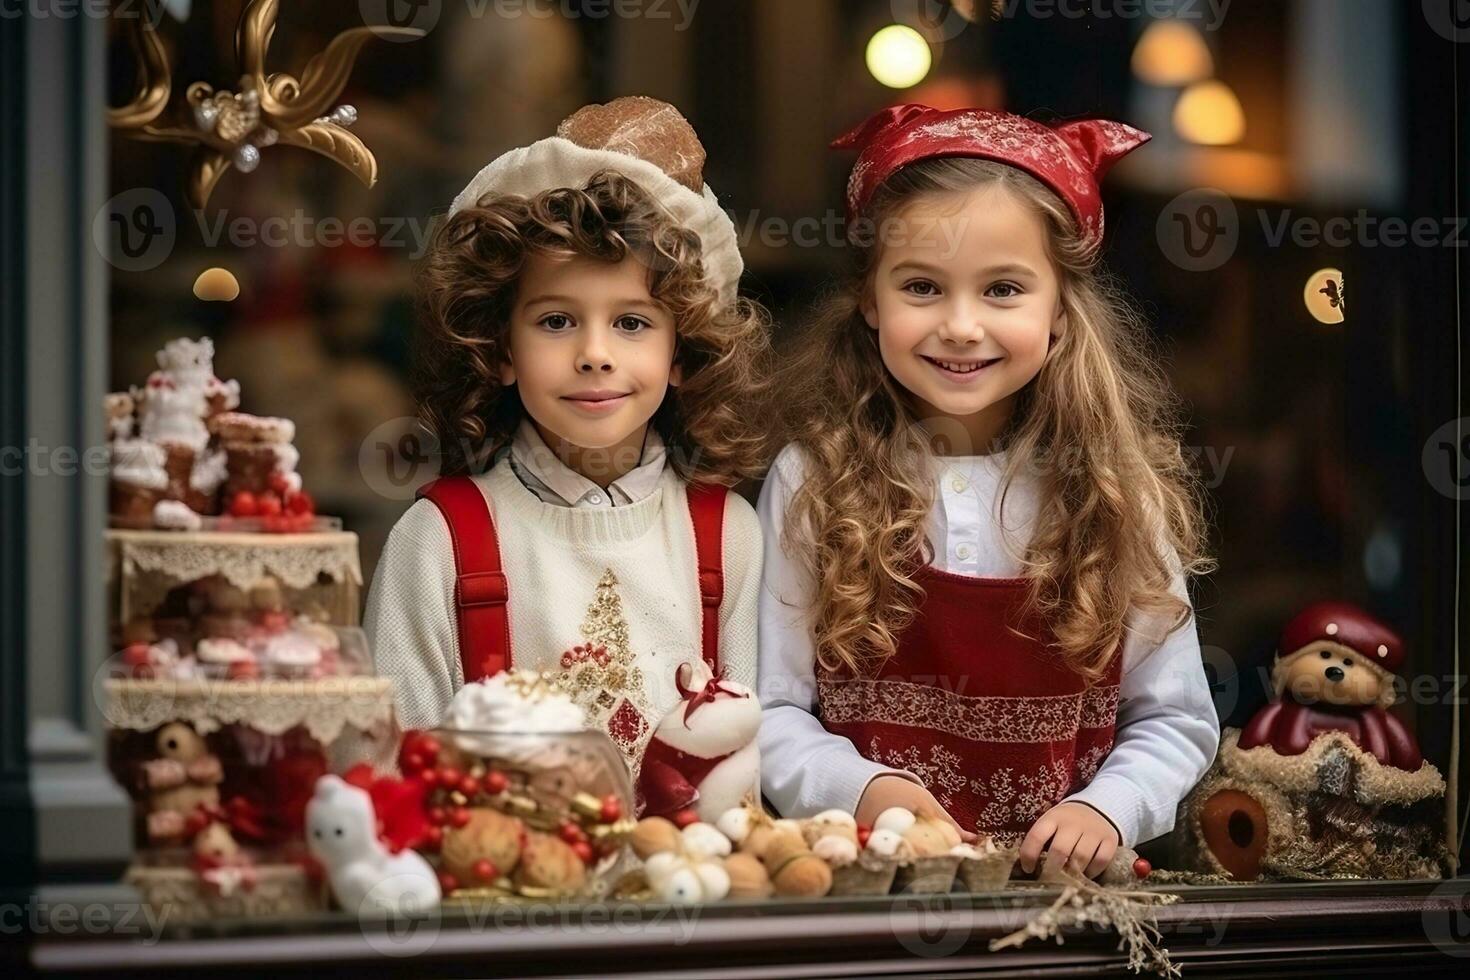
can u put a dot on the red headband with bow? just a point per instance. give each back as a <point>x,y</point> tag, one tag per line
<point>1070,158</point>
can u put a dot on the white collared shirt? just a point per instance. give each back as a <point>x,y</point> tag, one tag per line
<point>542,472</point>
<point>1167,726</point>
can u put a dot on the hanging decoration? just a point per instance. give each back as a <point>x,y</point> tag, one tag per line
<point>230,128</point>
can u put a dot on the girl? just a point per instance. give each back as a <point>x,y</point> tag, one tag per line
<point>584,336</point>
<point>976,541</point>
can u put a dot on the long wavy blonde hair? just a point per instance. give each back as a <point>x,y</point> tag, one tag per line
<point>1118,500</point>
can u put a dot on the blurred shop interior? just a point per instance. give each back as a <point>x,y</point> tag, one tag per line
<point>1311,434</point>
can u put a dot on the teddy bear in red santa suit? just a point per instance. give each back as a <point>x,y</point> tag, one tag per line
<point>704,754</point>
<point>1335,673</point>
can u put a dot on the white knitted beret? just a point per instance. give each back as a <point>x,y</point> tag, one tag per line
<point>557,162</point>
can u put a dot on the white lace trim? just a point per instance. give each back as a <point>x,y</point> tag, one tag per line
<point>985,718</point>
<point>325,707</point>
<point>297,560</point>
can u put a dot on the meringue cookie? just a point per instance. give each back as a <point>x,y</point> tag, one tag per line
<point>735,823</point>
<point>836,851</point>
<point>292,649</point>
<point>175,515</point>
<point>221,651</point>
<point>888,843</point>
<point>704,840</point>
<point>896,818</point>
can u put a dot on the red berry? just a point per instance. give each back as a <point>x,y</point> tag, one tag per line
<point>485,871</point>
<point>1142,868</point>
<point>269,505</point>
<point>584,851</point>
<point>244,504</point>
<point>863,833</point>
<point>684,818</point>
<point>429,746</point>
<point>495,782</point>
<point>433,839</point>
<point>438,815</point>
<point>459,816</point>
<point>413,762</point>
<point>448,882</point>
<point>430,777</point>
<point>469,786</point>
<point>278,482</point>
<point>300,503</point>
<point>612,808</point>
<point>569,832</point>
<point>449,777</point>
<point>135,654</point>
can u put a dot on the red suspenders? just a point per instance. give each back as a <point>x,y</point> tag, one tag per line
<point>481,591</point>
<point>707,509</point>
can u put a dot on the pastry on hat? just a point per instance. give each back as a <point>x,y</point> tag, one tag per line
<point>647,141</point>
<point>641,127</point>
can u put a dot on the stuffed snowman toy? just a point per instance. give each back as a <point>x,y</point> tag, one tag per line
<point>704,752</point>
<point>341,831</point>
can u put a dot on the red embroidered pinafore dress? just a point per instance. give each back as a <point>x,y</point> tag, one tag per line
<point>996,725</point>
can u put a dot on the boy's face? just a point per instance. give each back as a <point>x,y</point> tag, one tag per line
<point>965,300</point>
<point>591,351</point>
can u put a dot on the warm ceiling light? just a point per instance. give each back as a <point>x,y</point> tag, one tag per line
<point>1208,113</point>
<point>1172,53</point>
<point>217,284</point>
<point>898,56</point>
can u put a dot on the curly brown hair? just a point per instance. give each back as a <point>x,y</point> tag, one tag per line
<point>1120,508</point>
<point>467,289</point>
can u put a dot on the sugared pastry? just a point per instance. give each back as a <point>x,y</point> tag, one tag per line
<point>205,480</point>
<point>242,428</point>
<point>292,651</point>
<point>323,637</point>
<point>222,651</point>
<point>138,479</point>
<point>118,406</point>
<point>1335,672</point>
<point>174,515</point>
<point>251,466</point>
<point>188,365</point>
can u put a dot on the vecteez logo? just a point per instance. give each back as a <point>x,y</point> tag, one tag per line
<point>135,230</point>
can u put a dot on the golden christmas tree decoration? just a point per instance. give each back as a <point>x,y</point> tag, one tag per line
<point>231,128</point>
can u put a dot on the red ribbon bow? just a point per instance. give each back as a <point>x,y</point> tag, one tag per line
<point>711,690</point>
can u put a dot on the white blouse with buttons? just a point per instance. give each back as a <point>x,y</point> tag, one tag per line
<point>1167,729</point>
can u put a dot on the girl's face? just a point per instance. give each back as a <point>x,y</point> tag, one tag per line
<point>592,353</point>
<point>965,301</point>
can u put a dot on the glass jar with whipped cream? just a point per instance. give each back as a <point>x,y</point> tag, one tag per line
<point>525,802</point>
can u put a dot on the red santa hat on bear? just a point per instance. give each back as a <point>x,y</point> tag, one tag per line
<point>1332,631</point>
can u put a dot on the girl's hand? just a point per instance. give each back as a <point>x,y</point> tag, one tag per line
<point>1079,835</point>
<point>886,791</point>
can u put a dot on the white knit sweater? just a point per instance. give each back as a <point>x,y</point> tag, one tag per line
<point>557,562</point>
